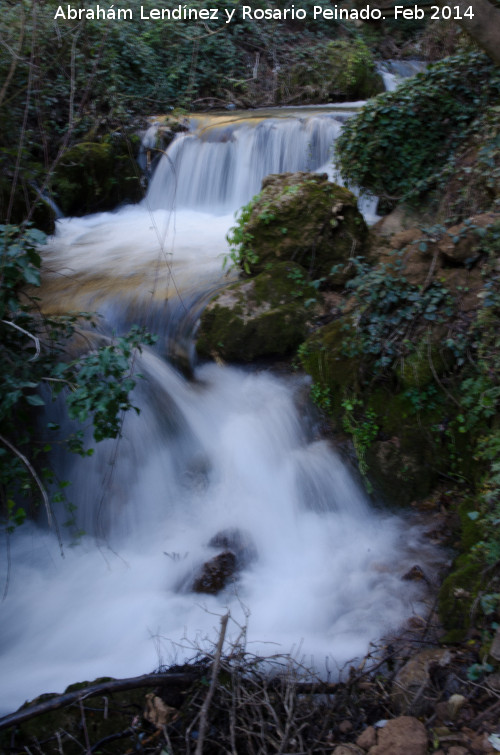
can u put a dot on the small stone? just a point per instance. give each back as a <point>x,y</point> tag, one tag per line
<point>401,736</point>
<point>415,574</point>
<point>367,738</point>
<point>347,749</point>
<point>455,704</point>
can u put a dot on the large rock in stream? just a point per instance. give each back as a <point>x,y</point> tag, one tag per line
<point>262,317</point>
<point>304,218</point>
<point>295,237</point>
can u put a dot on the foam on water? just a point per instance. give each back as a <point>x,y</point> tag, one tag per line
<point>228,450</point>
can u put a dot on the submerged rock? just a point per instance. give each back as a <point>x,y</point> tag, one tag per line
<point>215,574</point>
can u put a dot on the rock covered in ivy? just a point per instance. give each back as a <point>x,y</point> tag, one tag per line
<point>305,218</point>
<point>262,317</point>
<point>461,244</point>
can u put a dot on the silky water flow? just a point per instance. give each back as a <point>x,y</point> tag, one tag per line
<point>227,450</point>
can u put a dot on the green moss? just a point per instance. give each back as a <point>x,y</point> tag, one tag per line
<point>266,316</point>
<point>96,176</point>
<point>457,596</point>
<point>305,218</point>
<point>419,368</point>
<point>406,456</point>
<point>340,70</point>
<point>323,358</point>
<point>471,532</point>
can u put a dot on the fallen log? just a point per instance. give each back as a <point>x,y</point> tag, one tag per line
<point>180,679</point>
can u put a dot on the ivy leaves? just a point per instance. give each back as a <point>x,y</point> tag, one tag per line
<point>96,385</point>
<point>400,141</point>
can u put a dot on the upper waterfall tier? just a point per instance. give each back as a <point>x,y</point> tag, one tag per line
<point>219,164</point>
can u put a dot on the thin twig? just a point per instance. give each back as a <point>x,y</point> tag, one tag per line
<point>48,508</point>
<point>84,726</point>
<point>208,699</point>
<point>15,58</point>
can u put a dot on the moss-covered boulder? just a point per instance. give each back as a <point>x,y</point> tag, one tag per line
<point>458,597</point>
<point>305,218</point>
<point>340,70</point>
<point>325,357</point>
<point>399,446</point>
<point>262,317</point>
<point>97,176</point>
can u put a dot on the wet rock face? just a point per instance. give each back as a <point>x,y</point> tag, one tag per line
<point>305,218</point>
<point>215,574</point>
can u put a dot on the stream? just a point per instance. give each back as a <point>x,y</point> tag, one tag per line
<point>226,454</point>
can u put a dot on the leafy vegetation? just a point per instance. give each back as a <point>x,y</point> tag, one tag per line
<point>387,308</point>
<point>36,368</point>
<point>241,254</point>
<point>400,142</point>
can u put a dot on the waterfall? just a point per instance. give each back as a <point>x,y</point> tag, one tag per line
<point>393,72</point>
<point>219,164</point>
<point>231,453</point>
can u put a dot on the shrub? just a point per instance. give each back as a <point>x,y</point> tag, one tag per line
<point>399,141</point>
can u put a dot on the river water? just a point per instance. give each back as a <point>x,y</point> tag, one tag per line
<point>226,450</point>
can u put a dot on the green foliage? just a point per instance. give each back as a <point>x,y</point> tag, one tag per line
<point>104,380</point>
<point>363,428</point>
<point>320,395</point>
<point>343,69</point>
<point>400,140</point>
<point>35,368</point>
<point>241,253</point>
<point>388,306</point>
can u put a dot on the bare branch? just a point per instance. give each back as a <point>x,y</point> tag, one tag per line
<point>15,59</point>
<point>45,497</point>
<point>26,333</point>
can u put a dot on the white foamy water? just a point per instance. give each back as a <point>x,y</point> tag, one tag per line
<point>230,450</point>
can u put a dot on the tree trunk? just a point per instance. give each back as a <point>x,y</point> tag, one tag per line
<point>484,27</point>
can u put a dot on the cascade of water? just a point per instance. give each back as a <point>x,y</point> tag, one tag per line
<point>221,164</point>
<point>226,452</point>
